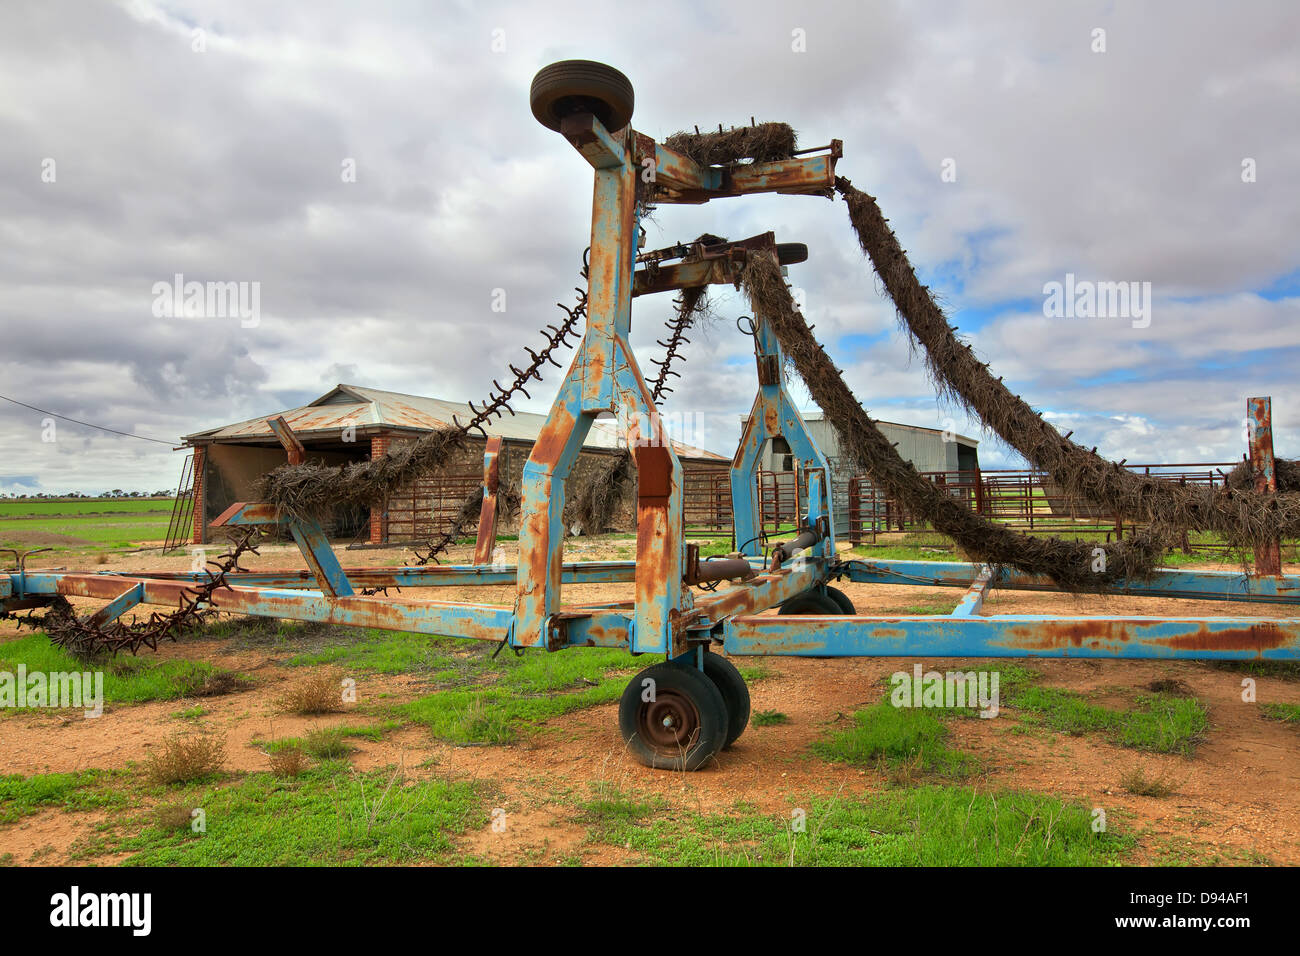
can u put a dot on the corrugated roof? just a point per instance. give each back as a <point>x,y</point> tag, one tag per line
<point>818,416</point>
<point>364,407</point>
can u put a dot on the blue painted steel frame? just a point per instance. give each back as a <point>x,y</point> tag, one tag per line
<point>728,615</point>
<point>1167,583</point>
<point>775,414</point>
<point>665,617</point>
<point>1016,635</point>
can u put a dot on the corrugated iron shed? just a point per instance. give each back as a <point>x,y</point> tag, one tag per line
<point>369,410</point>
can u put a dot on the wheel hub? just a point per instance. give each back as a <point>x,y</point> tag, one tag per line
<point>670,722</point>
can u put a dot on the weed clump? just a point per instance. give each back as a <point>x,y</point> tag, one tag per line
<point>320,693</point>
<point>325,743</point>
<point>288,762</point>
<point>1136,782</point>
<point>172,816</point>
<point>182,759</point>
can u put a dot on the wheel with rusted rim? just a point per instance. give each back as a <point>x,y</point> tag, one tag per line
<point>581,86</point>
<point>673,717</point>
<point>735,694</point>
<point>842,599</point>
<point>811,602</point>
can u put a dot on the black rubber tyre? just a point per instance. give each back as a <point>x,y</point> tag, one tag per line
<point>842,599</point>
<point>683,727</point>
<point>581,86</point>
<point>735,694</point>
<point>790,253</point>
<point>811,602</point>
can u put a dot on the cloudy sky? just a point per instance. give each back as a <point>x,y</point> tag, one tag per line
<point>140,140</point>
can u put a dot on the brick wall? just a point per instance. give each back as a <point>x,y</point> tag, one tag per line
<point>379,445</point>
<point>200,510</point>
<point>426,508</point>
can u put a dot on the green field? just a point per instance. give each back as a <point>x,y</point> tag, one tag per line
<point>84,524</point>
<point>56,507</point>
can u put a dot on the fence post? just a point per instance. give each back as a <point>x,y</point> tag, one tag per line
<point>1259,422</point>
<point>855,513</point>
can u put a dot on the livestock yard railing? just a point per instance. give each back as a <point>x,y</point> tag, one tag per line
<point>1024,499</point>
<point>428,507</point>
<point>706,502</point>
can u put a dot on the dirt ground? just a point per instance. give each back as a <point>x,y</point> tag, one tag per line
<point>1239,795</point>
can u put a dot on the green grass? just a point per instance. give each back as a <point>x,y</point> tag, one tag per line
<point>385,652</point>
<point>753,673</point>
<point>328,815</point>
<point>320,742</point>
<point>1287,712</point>
<point>903,552</point>
<point>768,718</point>
<point>1158,723</point>
<point>610,812</point>
<point>1011,677</point>
<point>326,743</point>
<point>933,825</point>
<point>479,699</point>
<point>907,738</point>
<point>712,548</point>
<point>528,690</point>
<point>68,507</point>
<point>84,790</point>
<point>910,742</point>
<point>1286,670</point>
<point>917,609</point>
<point>85,532</point>
<point>127,680</point>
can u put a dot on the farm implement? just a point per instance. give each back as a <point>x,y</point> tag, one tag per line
<point>679,713</point>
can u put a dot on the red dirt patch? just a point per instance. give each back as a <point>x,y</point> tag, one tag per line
<point>1239,794</point>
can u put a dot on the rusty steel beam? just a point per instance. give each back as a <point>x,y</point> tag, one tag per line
<point>486,622</point>
<point>324,564</point>
<point>679,179</point>
<point>246,513</point>
<point>714,264</point>
<point>686,275</point>
<point>487,515</point>
<point>130,597</point>
<point>763,591</point>
<point>1018,635</point>
<point>786,550</point>
<point>659,539</point>
<point>292,446</point>
<point>716,569</point>
<point>1259,412</point>
<point>445,575</point>
<point>1164,583</point>
<point>328,574</point>
<point>972,601</point>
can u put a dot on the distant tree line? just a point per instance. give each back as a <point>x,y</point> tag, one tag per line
<point>115,493</point>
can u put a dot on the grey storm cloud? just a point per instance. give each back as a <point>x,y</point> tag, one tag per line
<point>220,154</point>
